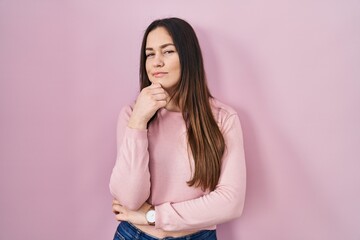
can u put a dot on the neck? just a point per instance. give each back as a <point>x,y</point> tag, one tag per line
<point>171,106</point>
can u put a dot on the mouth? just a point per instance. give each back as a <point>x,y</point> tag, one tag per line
<point>159,74</point>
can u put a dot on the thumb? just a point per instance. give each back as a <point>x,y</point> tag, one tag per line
<point>155,85</point>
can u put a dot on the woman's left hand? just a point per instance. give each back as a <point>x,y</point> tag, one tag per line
<point>124,214</point>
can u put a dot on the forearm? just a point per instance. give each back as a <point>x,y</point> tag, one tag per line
<point>130,189</point>
<point>214,208</point>
<point>130,178</point>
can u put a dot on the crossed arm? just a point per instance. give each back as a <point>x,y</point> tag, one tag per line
<point>124,214</point>
<point>130,184</point>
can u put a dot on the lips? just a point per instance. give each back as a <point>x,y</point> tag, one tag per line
<point>159,74</point>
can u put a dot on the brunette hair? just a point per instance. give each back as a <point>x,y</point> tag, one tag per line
<point>193,97</point>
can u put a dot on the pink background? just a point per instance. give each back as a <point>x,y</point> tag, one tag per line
<point>290,68</point>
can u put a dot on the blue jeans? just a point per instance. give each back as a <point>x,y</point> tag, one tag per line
<point>127,231</point>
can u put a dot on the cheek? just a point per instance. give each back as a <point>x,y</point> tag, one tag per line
<point>148,71</point>
<point>177,69</point>
<point>147,66</point>
<point>177,64</point>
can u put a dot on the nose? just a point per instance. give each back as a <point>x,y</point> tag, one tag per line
<point>158,61</point>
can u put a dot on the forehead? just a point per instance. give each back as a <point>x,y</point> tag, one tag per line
<point>157,37</point>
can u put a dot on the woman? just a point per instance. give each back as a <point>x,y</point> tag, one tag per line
<point>180,166</point>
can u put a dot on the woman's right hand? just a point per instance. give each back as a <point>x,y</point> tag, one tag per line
<point>147,103</point>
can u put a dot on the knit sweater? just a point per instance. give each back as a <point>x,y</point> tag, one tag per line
<point>154,165</point>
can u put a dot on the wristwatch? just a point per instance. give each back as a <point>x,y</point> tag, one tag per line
<point>150,216</point>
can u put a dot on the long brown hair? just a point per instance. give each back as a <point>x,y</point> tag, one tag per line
<point>192,96</point>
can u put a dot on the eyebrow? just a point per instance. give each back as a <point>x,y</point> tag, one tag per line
<point>161,46</point>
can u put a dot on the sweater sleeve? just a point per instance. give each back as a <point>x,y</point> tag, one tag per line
<point>130,177</point>
<point>225,203</point>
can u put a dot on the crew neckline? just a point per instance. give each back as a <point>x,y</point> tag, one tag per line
<point>164,110</point>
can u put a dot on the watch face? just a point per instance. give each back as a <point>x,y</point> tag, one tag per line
<point>150,216</point>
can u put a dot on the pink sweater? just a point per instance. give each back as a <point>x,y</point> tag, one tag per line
<point>154,165</point>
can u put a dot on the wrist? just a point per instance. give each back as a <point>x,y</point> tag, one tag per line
<point>141,125</point>
<point>150,216</point>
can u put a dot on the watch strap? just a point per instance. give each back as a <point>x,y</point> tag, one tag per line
<point>152,208</point>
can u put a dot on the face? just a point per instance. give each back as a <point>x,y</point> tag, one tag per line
<point>162,59</point>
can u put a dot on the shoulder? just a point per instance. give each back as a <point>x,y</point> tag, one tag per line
<point>226,117</point>
<point>221,110</point>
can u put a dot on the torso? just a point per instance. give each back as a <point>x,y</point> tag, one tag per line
<point>170,160</point>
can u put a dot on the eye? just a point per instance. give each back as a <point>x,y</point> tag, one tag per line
<point>169,52</point>
<point>148,55</point>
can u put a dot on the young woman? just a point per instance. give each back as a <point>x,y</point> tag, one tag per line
<point>180,167</point>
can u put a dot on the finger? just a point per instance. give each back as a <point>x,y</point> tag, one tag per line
<point>155,86</point>
<point>161,103</point>
<point>160,97</point>
<point>155,91</point>
<point>118,208</point>
<point>120,217</point>
<point>116,204</point>
<point>115,209</point>
<point>160,91</point>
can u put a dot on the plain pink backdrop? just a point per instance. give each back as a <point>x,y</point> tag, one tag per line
<point>290,68</point>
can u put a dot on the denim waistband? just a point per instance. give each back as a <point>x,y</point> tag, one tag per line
<point>132,232</point>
